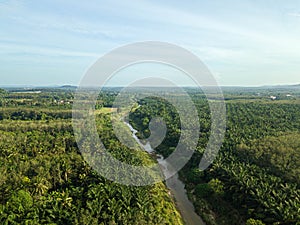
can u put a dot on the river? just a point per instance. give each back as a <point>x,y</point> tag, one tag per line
<point>175,185</point>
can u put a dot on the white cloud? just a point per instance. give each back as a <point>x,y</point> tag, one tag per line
<point>294,14</point>
<point>17,49</point>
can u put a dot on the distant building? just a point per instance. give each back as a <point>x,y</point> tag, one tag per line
<point>273,97</point>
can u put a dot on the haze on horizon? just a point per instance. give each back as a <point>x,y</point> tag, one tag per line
<point>243,43</point>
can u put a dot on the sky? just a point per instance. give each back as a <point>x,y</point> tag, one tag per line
<point>246,43</point>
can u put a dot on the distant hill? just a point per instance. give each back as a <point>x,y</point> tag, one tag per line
<point>282,86</point>
<point>68,87</point>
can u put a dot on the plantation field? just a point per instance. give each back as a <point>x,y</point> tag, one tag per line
<point>45,180</point>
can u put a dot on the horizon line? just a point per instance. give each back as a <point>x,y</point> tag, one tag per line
<point>120,86</point>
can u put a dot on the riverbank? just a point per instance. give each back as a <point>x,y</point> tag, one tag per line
<point>175,185</point>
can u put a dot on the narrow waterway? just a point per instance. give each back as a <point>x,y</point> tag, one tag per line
<point>175,185</point>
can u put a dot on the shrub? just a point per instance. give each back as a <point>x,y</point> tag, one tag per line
<point>203,190</point>
<point>20,201</point>
<point>254,222</point>
<point>217,186</point>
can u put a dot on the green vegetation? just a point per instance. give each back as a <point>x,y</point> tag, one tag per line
<point>44,179</point>
<point>255,178</point>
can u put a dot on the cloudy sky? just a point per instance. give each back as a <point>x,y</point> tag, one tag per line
<point>245,42</point>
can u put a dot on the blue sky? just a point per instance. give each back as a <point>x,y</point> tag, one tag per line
<point>245,42</point>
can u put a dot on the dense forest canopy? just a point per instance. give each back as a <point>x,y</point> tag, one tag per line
<point>254,180</point>
<point>44,179</point>
<point>256,175</point>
